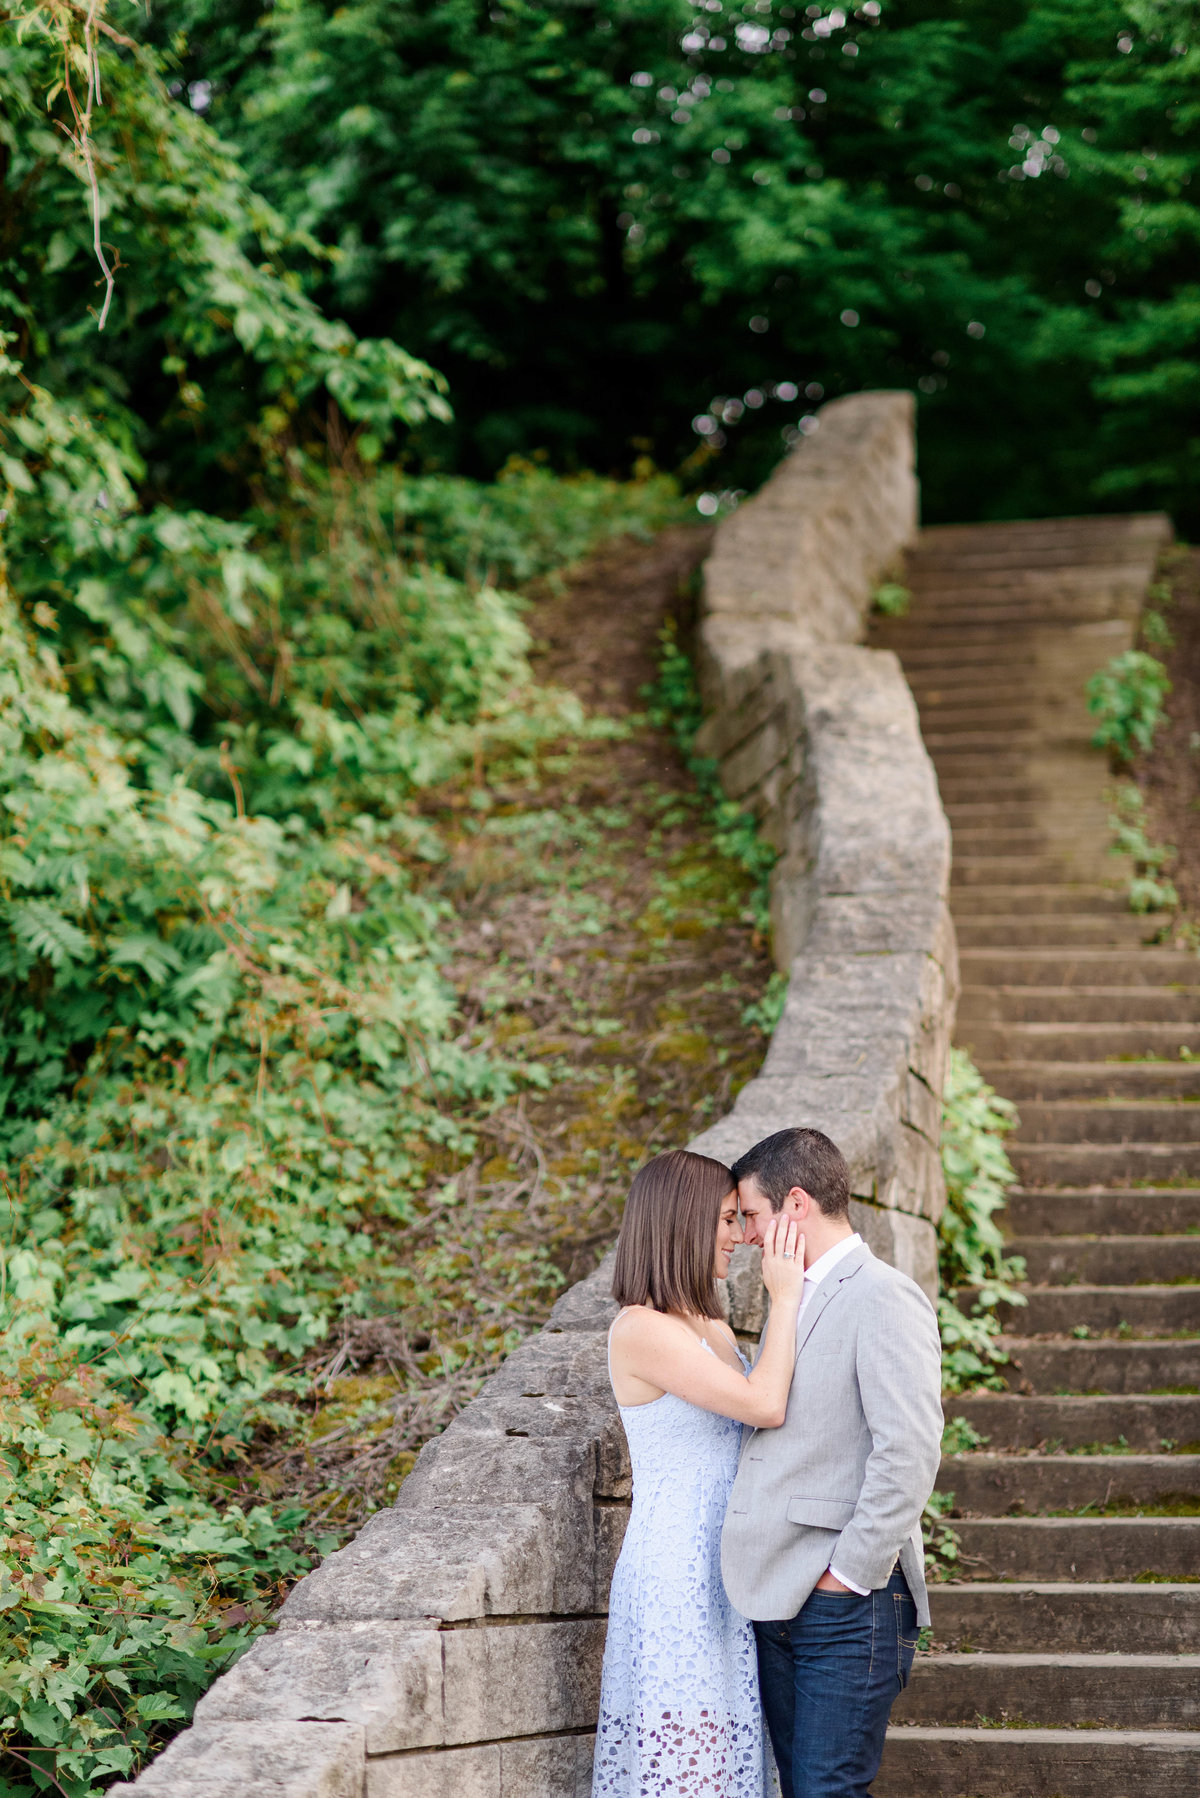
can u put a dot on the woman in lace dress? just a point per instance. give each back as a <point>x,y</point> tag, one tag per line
<point>679,1704</point>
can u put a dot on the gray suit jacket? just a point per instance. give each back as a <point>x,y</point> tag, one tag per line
<point>846,1476</point>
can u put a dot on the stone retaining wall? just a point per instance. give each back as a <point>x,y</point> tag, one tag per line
<point>820,739</point>
<point>452,1650</point>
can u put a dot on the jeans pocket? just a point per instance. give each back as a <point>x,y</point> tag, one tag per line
<point>907,1635</point>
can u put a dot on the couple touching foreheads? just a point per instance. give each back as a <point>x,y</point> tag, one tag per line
<point>773,1561</point>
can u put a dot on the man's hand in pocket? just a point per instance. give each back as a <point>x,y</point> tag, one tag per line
<point>827,1583</point>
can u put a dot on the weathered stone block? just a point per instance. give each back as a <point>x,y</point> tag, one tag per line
<point>611,1523</point>
<point>810,547</point>
<point>909,1243</point>
<point>745,768</point>
<point>921,1108</point>
<point>589,1305</point>
<point>411,1689</point>
<point>385,1677</point>
<point>553,1768</point>
<point>456,1562</point>
<point>521,1679</point>
<point>571,1365</point>
<point>747,1294</point>
<point>256,1760</point>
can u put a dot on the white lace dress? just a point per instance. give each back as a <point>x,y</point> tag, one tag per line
<point>679,1704</point>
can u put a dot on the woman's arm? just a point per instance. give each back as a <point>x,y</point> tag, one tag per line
<point>659,1353</point>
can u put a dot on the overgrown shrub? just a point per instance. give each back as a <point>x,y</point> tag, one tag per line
<point>975,1121</point>
<point>1127,697</point>
<point>1150,890</point>
<point>236,1078</point>
<point>236,650</point>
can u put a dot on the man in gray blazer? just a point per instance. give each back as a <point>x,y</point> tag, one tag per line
<point>822,1539</point>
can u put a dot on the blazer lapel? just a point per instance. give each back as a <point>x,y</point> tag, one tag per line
<point>826,1292</point>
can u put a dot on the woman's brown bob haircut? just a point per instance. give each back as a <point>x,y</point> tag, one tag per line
<point>667,1247</point>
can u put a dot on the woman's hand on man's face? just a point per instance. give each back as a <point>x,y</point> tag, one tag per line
<point>783,1259</point>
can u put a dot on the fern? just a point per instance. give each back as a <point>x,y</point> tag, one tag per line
<point>44,932</point>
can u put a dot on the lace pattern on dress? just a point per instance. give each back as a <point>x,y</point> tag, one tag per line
<point>679,1705</point>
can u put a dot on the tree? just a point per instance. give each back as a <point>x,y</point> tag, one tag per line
<point>602,222</point>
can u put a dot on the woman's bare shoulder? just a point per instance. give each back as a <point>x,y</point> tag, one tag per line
<point>643,1323</point>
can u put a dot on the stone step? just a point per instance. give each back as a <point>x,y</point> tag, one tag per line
<point>1100,1121</point>
<point>944,713</point>
<point>1015,663</point>
<point>1057,731</point>
<point>1077,1042</point>
<point>1018,790</point>
<point>1088,1548</point>
<point>924,1762</point>
<point>1067,1080</point>
<point>1079,1005</point>
<point>1144,1311</point>
<point>1030,870</point>
<point>1014,608</point>
<point>1152,1260</point>
<point>1045,1616</point>
<point>945,684</point>
<point>987,1485</point>
<point>912,638</point>
<point>966,774</point>
<point>1104,1366</point>
<point>1104,1164</point>
<point>1143,1424</point>
<point>975,902</point>
<point>1082,535</point>
<point>1013,838</point>
<point>1083,967</point>
<point>1054,1691</point>
<point>1103,1211</point>
<point>1057,930</point>
<point>920,632</point>
<point>994,1762</point>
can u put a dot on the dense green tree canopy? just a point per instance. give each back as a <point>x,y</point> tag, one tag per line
<point>599,221</point>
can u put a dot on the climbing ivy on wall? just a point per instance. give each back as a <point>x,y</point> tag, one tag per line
<point>972,1260</point>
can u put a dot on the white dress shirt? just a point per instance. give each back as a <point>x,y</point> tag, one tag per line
<point>812,1278</point>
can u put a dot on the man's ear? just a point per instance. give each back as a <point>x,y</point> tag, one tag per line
<point>798,1204</point>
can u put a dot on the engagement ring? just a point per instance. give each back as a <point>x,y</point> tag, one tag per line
<point>789,1254</point>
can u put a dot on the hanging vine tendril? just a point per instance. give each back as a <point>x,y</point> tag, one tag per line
<point>78,30</point>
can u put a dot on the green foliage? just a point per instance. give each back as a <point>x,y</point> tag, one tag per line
<point>959,1437</point>
<point>891,600</point>
<point>992,204</point>
<point>942,1542</point>
<point>1127,697</point>
<point>232,1065</point>
<point>765,1013</point>
<point>674,706</point>
<point>237,649</point>
<point>123,1590</point>
<point>1155,629</point>
<point>1149,888</point>
<point>975,1121</point>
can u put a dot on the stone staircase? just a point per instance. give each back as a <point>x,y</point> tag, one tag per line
<point>1066,1659</point>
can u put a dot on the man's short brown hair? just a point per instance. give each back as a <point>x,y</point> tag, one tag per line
<point>803,1158</point>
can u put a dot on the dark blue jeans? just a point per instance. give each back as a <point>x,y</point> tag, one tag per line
<point>829,1678</point>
